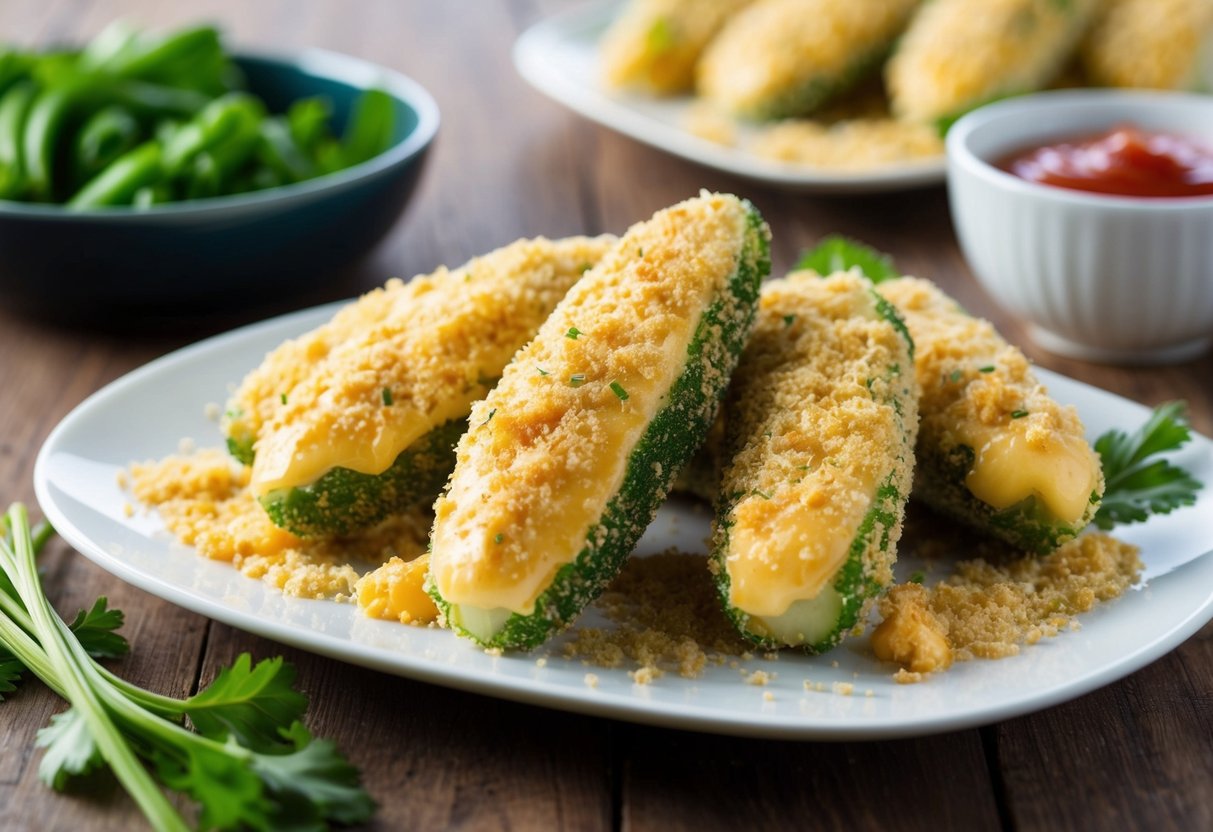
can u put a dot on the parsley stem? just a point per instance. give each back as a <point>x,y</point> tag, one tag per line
<point>27,651</point>
<point>71,675</point>
<point>16,625</point>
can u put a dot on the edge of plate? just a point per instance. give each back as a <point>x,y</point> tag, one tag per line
<point>530,56</point>
<point>592,703</point>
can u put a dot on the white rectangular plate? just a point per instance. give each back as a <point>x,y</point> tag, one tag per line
<point>559,57</point>
<point>145,414</point>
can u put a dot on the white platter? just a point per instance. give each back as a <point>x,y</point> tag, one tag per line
<point>559,57</point>
<point>145,414</point>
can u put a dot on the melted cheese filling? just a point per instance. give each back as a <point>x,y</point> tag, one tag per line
<point>301,453</point>
<point>409,369</point>
<point>788,548</point>
<point>515,557</point>
<point>550,445</point>
<point>1012,465</point>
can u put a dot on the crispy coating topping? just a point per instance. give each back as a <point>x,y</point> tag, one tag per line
<point>784,57</point>
<point>550,444</point>
<point>814,432</point>
<point>958,54</point>
<point>401,361</point>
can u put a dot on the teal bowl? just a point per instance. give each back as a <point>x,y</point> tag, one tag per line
<point>225,254</point>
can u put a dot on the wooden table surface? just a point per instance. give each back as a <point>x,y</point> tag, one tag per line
<point>509,163</point>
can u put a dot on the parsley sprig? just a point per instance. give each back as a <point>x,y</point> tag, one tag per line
<point>1137,483</point>
<point>836,253</point>
<point>249,763</point>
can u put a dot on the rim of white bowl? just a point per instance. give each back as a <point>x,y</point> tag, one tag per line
<point>319,62</point>
<point>1037,105</point>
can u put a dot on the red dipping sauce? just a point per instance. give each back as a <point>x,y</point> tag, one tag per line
<point>1125,161</point>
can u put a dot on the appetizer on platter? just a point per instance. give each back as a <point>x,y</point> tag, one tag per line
<point>655,44</point>
<point>819,447</point>
<point>570,455</point>
<point>779,58</point>
<point>994,450</point>
<point>1160,44</point>
<point>960,54</point>
<point>357,419</point>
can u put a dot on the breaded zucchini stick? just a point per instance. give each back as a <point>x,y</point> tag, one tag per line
<point>357,420</point>
<point>779,58</point>
<point>653,44</point>
<point>819,427</point>
<point>568,458</point>
<point>1159,44</point>
<point>960,54</point>
<point>994,450</point>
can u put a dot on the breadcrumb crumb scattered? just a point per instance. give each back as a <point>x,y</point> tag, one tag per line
<point>667,617</point>
<point>989,608</point>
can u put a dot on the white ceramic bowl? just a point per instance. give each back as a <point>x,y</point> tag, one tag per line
<point>1103,278</point>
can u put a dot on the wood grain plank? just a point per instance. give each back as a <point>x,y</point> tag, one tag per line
<point>676,781</point>
<point>1134,755</point>
<point>442,759</point>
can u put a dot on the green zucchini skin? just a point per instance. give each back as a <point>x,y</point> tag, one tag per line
<point>240,444</point>
<point>855,583</point>
<point>675,433</point>
<point>1028,526</point>
<point>344,500</point>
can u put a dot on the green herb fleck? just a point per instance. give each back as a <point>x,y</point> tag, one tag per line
<point>955,376</point>
<point>618,390</point>
<point>788,320</point>
<point>761,494</point>
<point>498,538</point>
<point>1018,414</point>
<point>387,396</point>
<point>918,577</point>
<point>660,37</point>
<point>492,413</point>
<point>542,371</point>
<point>282,398</point>
<point>573,333</point>
<point>577,379</point>
<point>585,267</point>
<point>989,368</point>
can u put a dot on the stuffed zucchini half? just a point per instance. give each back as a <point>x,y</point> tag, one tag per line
<point>779,58</point>
<point>995,451</point>
<point>654,44</point>
<point>819,430</point>
<point>960,54</point>
<point>1158,44</point>
<point>568,458</point>
<point>358,419</point>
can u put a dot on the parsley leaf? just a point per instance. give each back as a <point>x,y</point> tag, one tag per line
<point>70,750</point>
<point>838,254</point>
<point>249,703</point>
<point>1136,487</point>
<point>95,631</point>
<point>250,763</point>
<point>10,673</point>
<point>312,783</point>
